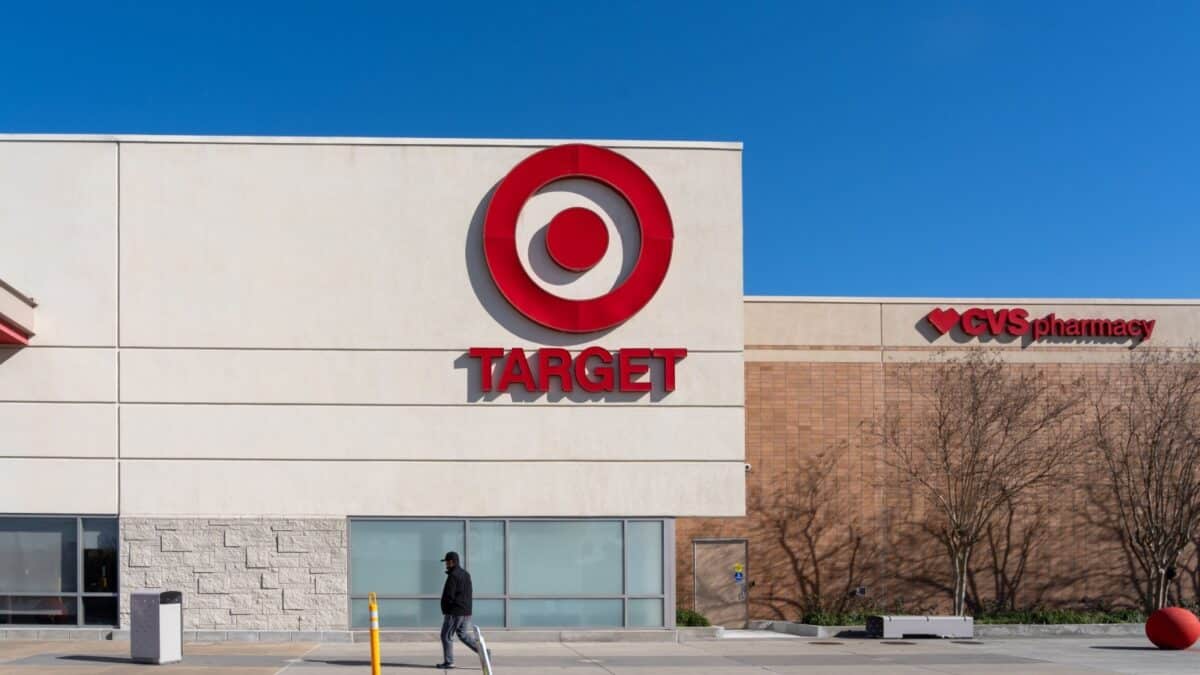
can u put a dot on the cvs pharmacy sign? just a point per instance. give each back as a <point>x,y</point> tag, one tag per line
<point>1016,321</point>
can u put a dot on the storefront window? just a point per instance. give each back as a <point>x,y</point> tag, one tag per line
<point>486,561</point>
<point>400,557</point>
<point>100,555</point>
<point>399,613</point>
<point>645,612</point>
<point>99,611</point>
<point>525,573</point>
<point>39,609</point>
<point>42,580</point>
<point>645,558</point>
<point>566,558</point>
<point>572,612</point>
<point>489,613</point>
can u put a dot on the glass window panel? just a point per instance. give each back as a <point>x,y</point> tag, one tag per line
<point>100,611</point>
<point>488,613</point>
<point>399,613</point>
<point>486,563</point>
<point>566,612</point>
<point>360,614</point>
<point>646,558</point>
<point>99,556</point>
<point>49,610</point>
<point>565,558</point>
<point>37,555</point>
<point>421,613</point>
<point>401,557</point>
<point>645,612</point>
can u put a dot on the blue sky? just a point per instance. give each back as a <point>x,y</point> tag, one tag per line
<point>902,148</point>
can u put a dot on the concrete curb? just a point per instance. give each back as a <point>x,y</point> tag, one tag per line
<point>1019,630</point>
<point>804,629</point>
<point>982,630</point>
<point>694,634</point>
<point>346,636</point>
<point>666,635</point>
<point>58,634</point>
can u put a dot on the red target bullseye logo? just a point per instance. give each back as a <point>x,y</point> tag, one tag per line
<point>577,238</point>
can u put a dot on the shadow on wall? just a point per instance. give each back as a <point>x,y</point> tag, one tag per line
<point>490,299</point>
<point>812,545</point>
<point>607,201</point>
<point>7,353</point>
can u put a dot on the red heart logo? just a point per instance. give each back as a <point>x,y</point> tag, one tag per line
<point>942,319</point>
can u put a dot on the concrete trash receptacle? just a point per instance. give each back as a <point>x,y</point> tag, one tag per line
<point>156,626</point>
<point>895,627</point>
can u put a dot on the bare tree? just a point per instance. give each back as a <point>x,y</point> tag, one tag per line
<point>824,552</point>
<point>1146,429</point>
<point>1187,583</point>
<point>1010,541</point>
<point>979,435</point>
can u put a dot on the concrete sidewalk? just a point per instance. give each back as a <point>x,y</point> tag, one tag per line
<point>715,657</point>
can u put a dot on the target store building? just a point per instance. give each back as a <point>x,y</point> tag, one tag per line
<point>279,374</point>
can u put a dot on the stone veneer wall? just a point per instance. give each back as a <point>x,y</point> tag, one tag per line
<point>240,573</point>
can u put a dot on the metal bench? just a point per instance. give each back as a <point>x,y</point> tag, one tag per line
<point>889,627</point>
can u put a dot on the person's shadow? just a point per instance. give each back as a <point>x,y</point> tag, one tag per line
<point>126,661</point>
<point>102,659</point>
<point>385,664</point>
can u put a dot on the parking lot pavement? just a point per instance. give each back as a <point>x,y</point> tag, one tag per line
<point>715,657</point>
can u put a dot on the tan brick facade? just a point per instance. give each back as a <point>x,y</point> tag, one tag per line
<point>797,411</point>
<point>811,405</point>
<point>793,410</point>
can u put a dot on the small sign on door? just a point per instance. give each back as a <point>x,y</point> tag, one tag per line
<point>739,573</point>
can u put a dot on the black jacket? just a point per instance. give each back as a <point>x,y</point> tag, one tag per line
<point>457,594</point>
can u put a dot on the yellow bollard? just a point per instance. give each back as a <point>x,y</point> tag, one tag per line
<point>373,605</point>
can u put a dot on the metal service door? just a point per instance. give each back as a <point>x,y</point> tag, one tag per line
<point>721,570</point>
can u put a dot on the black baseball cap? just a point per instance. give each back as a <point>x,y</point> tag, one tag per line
<point>451,555</point>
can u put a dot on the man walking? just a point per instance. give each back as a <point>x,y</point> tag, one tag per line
<point>456,610</point>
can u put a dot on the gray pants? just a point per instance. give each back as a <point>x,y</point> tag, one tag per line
<point>460,626</point>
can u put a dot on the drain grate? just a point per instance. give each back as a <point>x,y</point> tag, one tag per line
<point>825,642</point>
<point>896,642</point>
<point>966,642</point>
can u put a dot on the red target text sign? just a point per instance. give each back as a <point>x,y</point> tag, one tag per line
<point>576,240</point>
<point>595,369</point>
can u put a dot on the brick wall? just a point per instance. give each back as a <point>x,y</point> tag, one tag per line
<point>241,573</point>
<point>797,411</point>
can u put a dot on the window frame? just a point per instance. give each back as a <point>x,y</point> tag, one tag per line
<point>79,594</point>
<point>668,569</point>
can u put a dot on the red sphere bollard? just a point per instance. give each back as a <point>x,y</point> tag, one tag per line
<point>1173,628</point>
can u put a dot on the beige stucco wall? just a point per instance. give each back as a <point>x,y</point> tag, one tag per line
<point>376,247</point>
<point>391,377</point>
<point>58,412</point>
<point>293,316</point>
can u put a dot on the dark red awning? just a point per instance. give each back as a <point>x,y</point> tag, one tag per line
<point>16,316</point>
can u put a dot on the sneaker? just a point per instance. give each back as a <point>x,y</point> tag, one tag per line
<point>445,666</point>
